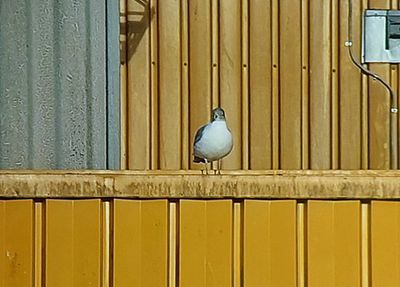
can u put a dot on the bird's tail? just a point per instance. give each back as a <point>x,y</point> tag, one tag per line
<point>198,159</point>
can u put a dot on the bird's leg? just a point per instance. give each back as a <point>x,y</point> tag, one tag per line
<point>219,166</point>
<point>216,170</point>
<point>206,163</point>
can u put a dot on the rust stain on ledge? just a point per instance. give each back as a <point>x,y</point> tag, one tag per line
<point>191,184</point>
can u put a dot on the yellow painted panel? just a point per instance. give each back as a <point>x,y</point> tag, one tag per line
<point>16,243</point>
<point>140,243</point>
<point>205,246</point>
<point>385,240</point>
<point>334,249</point>
<point>73,243</point>
<point>270,243</point>
<point>2,241</point>
<point>38,243</point>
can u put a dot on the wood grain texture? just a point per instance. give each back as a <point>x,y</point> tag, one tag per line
<point>290,84</point>
<point>305,94</point>
<point>138,53</point>
<point>280,70</point>
<point>170,85</point>
<point>350,92</point>
<point>230,76</point>
<point>200,76</point>
<point>320,85</point>
<point>260,34</point>
<point>183,184</point>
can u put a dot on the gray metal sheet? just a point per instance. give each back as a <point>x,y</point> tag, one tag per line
<point>53,84</point>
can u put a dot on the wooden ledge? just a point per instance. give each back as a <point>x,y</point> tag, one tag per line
<point>368,184</point>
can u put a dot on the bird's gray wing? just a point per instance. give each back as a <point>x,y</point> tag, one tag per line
<point>199,134</point>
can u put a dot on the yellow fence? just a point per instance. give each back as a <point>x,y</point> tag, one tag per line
<point>114,229</point>
<point>280,70</point>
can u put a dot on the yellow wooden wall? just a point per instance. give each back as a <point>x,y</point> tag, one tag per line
<point>279,69</point>
<point>190,243</point>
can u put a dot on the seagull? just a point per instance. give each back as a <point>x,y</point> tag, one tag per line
<point>213,141</point>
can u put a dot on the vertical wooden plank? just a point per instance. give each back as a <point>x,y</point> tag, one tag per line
<point>205,243</point>
<point>154,85</point>
<point>199,66</point>
<point>185,133</point>
<point>16,243</point>
<point>275,84</point>
<point>215,44</point>
<point>334,243</point>
<point>364,110</point>
<point>385,238</point>
<point>230,74</point>
<point>270,257</point>
<point>334,74</point>
<point>245,85</point>
<point>73,243</point>
<point>260,32</point>
<point>305,95</point>
<point>170,151</point>
<point>320,84</point>
<point>140,243</point>
<point>350,95</point>
<point>379,110</point>
<point>139,109</point>
<point>38,256</point>
<point>290,84</point>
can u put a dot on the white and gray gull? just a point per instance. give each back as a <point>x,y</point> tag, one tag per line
<point>213,141</point>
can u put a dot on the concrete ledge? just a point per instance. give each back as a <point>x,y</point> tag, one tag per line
<point>358,184</point>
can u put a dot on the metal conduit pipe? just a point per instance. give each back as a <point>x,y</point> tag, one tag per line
<point>393,96</point>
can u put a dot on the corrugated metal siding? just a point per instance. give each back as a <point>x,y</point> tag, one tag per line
<point>279,68</point>
<point>53,84</point>
<point>199,243</point>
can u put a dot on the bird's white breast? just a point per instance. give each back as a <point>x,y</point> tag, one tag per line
<point>216,141</point>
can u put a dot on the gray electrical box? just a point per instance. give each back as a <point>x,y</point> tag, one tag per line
<point>381,36</point>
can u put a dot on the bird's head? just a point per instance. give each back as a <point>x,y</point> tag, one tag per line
<point>218,114</point>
